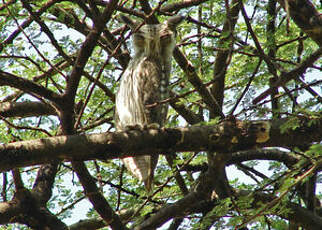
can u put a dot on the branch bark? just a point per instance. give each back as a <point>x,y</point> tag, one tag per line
<point>293,74</point>
<point>306,17</point>
<point>298,214</point>
<point>96,198</point>
<point>224,137</point>
<point>176,6</point>
<point>28,86</point>
<point>223,56</point>
<point>26,209</point>
<point>25,109</point>
<point>67,107</point>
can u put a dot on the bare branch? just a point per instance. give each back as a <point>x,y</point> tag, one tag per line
<point>25,109</point>
<point>28,86</point>
<point>97,199</point>
<point>225,137</point>
<point>293,74</point>
<point>306,17</point>
<point>176,6</point>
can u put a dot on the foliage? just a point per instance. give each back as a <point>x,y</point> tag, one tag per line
<point>45,46</point>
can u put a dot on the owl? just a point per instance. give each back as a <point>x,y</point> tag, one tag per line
<point>145,82</point>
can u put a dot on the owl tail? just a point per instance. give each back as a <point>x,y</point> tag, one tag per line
<point>149,182</point>
<point>142,167</point>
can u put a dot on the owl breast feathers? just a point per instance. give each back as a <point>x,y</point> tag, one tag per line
<point>144,82</point>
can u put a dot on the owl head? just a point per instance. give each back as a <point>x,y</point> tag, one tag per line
<point>156,40</point>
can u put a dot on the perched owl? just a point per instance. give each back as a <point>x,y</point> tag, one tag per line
<point>144,82</point>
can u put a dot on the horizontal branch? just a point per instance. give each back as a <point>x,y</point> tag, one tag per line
<point>25,109</point>
<point>224,137</point>
<point>176,6</point>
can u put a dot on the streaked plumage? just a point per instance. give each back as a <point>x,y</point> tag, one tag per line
<point>145,82</point>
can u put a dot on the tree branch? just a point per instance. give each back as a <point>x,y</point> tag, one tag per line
<point>26,23</point>
<point>96,198</point>
<point>86,50</point>
<point>223,56</point>
<point>25,109</point>
<point>224,137</point>
<point>293,74</point>
<point>306,17</point>
<point>194,79</point>
<point>28,86</point>
<point>176,6</point>
<point>297,213</point>
<point>44,182</point>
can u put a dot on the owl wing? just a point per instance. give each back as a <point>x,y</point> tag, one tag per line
<point>140,86</point>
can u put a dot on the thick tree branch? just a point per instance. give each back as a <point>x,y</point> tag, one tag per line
<point>195,80</point>
<point>176,6</point>
<point>28,86</point>
<point>223,56</point>
<point>25,109</point>
<point>42,188</point>
<point>306,17</point>
<point>7,211</point>
<point>86,50</point>
<point>97,199</point>
<point>224,137</point>
<point>264,154</point>
<point>26,209</point>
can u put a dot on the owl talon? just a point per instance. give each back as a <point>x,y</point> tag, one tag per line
<point>134,127</point>
<point>152,126</point>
